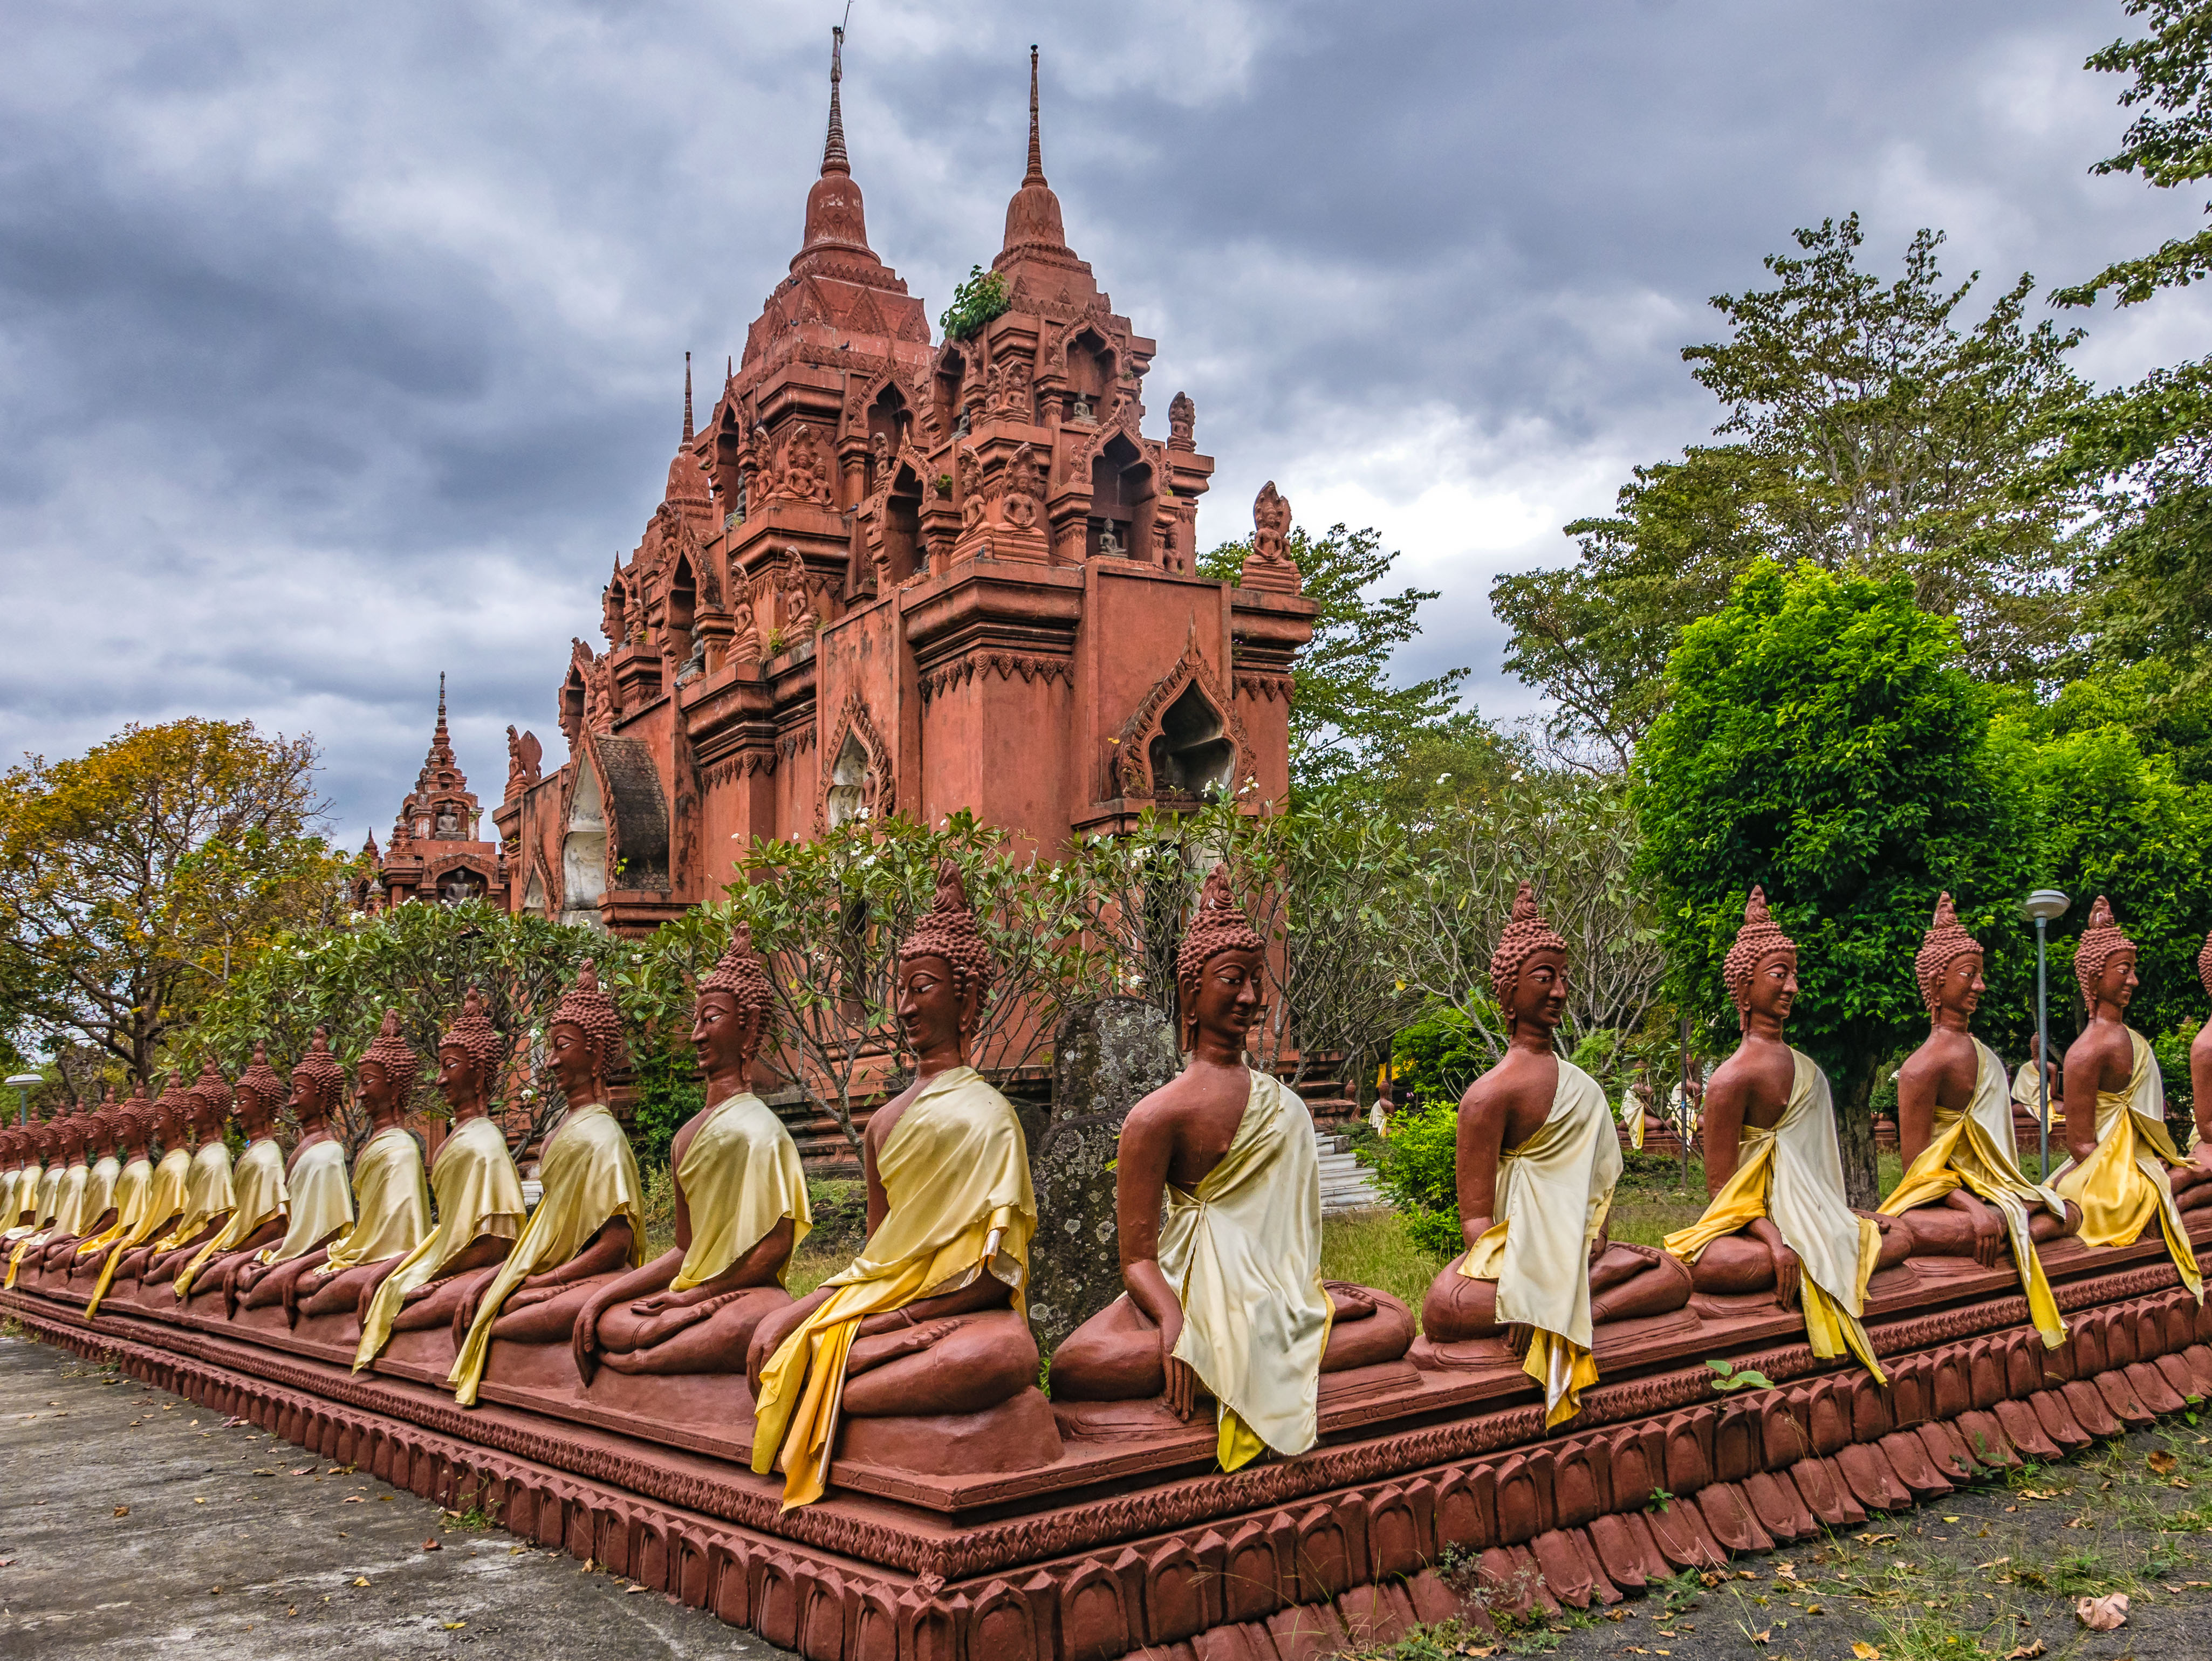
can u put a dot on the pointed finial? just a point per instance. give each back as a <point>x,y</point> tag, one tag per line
<point>1947,914</point>
<point>687,398</point>
<point>1036,174</point>
<point>833,148</point>
<point>1524,902</point>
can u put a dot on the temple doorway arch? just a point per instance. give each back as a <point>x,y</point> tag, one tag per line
<point>583,850</point>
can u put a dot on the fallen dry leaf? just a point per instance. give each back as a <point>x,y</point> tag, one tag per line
<point>2106,1613</point>
<point>634,1591</point>
<point>361,1579</point>
<point>122,1511</point>
<point>353,1500</point>
<point>1865,1652</point>
<point>432,1545</point>
<point>2162,1462</point>
<point>1762,1637</point>
<point>455,1626</point>
<point>305,1471</point>
<point>1994,1562</point>
<point>2027,1651</point>
<point>1871,1538</point>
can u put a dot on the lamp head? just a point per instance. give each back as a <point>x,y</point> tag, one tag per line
<point>2044,906</point>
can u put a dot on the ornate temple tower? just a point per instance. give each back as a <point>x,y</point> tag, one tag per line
<point>886,576</point>
<point>434,852</point>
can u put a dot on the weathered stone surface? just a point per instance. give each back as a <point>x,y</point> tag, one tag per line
<point>1107,1057</point>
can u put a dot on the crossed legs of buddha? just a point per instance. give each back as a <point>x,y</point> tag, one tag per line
<point>1626,1282</point>
<point>1114,1356</point>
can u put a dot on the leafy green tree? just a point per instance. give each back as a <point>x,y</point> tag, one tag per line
<point>1345,715</point>
<point>133,878</point>
<point>1821,739</point>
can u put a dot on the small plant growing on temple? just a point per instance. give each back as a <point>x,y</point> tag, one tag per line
<point>983,296</point>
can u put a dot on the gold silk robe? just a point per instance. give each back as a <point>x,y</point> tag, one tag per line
<point>1243,1252</point>
<point>957,1174</point>
<point>2122,1185</point>
<point>133,1184</point>
<point>1974,1150</point>
<point>320,1202</point>
<point>208,1194</point>
<point>479,1193</point>
<point>259,1193</point>
<point>1794,1175</point>
<point>591,1179</point>
<point>1554,1191</point>
<point>11,1184</point>
<point>1632,1117</point>
<point>67,1218</point>
<point>99,1192</point>
<point>391,1200</point>
<point>165,1199</point>
<point>740,1177</point>
<point>41,1189</point>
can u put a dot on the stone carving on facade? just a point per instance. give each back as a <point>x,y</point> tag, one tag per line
<point>971,488</point>
<point>849,791</point>
<point>614,620</point>
<point>597,680</point>
<point>805,476</point>
<point>525,756</point>
<point>1129,753</point>
<point>1270,526</point>
<point>1183,417</point>
<point>1023,490</point>
<point>798,594</point>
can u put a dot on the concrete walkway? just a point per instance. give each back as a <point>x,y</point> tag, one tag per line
<point>134,1525</point>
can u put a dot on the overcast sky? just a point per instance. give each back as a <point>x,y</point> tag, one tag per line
<point>339,346</point>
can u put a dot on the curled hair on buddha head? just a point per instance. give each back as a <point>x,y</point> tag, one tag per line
<point>320,1068</point>
<point>1945,942</point>
<point>1760,936</point>
<point>1527,933</point>
<point>948,930</point>
<point>2204,963</point>
<point>591,1012</point>
<point>259,1083</point>
<point>2100,942</point>
<point>475,1037</point>
<point>1218,926</point>
<point>212,1091</point>
<point>392,1053</point>
<point>740,975</point>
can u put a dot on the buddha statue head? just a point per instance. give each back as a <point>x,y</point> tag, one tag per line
<point>2205,964</point>
<point>944,977</point>
<point>1528,970</point>
<point>584,1039</point>
<point>69,1134</point>
<point>2104,962</point>
<point>736,1008</point>
<point>1221,972</point>
<point>470,1055</point>
<point>210,1101</point>
<point>135,1124</point>
<point>384,1077</point>
<point>1760,969</point>
<point>317,1082</point>
<point>260,1093</point>
<point>172,1114</point>
<point>1948,967</point>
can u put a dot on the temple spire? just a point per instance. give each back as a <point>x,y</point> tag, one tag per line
<point>1036,174</point>
<point>832,147</point>
<point>687,398</point>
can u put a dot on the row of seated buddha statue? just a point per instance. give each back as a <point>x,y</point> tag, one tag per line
<point>922,1344</point>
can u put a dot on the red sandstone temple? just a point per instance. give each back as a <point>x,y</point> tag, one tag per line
<point>888,576</point>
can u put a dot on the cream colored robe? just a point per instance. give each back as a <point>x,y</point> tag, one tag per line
<point>259,1193</point>
<point>134,1185</point>
<point>479,1194</point>
<point>740,1178</point>
<point>2122,1185</point>
<point>165,1198</point>
<point>391,1202</point>
<point>208,1194</point>
<point>1554,1191</point>
<point>319,1200</point>
<point>66,1219</point>
<point>99,1192</point>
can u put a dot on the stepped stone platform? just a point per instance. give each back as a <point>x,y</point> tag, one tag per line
<point>1130,1542</point>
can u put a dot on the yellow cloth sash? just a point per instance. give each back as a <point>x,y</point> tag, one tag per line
<point>591,1179</point>
<point>1793,1174</point>
<point>1974,1150</point>
<point>1243,1252</point>
<point>392,1202</point>
<point>2122,1183</point>
<point>957,1174</point>
<point>478,1194</point>
<point>259,1193</point>
<point>43,1189</point>
<point>1632,1117</point>
<point>11,1181</point>
<point>132,1186</point>
<point>208,1194</point>
<point>99,1192</point>
<point>66,1219</point>
<point>319,1204</point>
<point>740,1177</point>
<point>165,1201</point>
<point>1554,1191</point>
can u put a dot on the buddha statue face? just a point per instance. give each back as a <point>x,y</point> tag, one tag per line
<point>1958,989</point>
<point>372,1087</point>
<point>1539,992</point>
<point>1773,986</point>
<point>725,1036</point>
<point>459,1081</point>
<point>1229,998</point>
<point>568,1051</point>
<point>2117,982</point>
<point>72,1138</point>
<point>934,1016</point>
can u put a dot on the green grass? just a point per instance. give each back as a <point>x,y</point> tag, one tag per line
<point>1370,1248</point>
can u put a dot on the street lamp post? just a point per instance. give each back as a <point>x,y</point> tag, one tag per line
<point>23,1081</point>
<point>2041,908</point>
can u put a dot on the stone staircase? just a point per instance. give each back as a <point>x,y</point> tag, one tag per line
<point>1345,1183</point>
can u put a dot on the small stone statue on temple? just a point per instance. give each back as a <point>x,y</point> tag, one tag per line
<point>1778,1219</point>
<point>407,1276</point>
<point>262,1200</point>
<point>321,1206</point>
<point>927,1321</point>
<point>2123,1171</point>
<point>1963,1187</point>
<point>591,1221</point>
<point>1536,1163</point>
<point>741,1206</point>
<point>1218,1202</point>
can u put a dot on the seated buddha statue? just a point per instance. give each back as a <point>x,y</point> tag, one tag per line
<point>741,1206</point>
<point>208,1195</point>
<point>590,1221</point>
<point>62,1211</point>
<point>166,1199</point>
<point>1778,1219</point>
<point>2123,1169</point>
<point>14,1145</point>
<point>1963,1190</point>
<point>97,1210</point>
<point>1536,1163</point>
<point>42,1180</point>
<point>261,1199</point>
<point>134,1184</point>
<point>2200,1071</point>
<point>320,1205</point>
<point>390,1203</point>
<point>927,1322</point>
<point>1218,1202</point>
<point>479,1193</point>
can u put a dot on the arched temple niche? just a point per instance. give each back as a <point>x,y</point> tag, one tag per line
<point>1184,743</point>
<point>1121,491</point>
<point>1090,376</point>
<point>888,425</point>
<point>584,849</point>
<point>682,603</point>
<point>856,781</point>
<point>536,896</point>
<point>950,388</point>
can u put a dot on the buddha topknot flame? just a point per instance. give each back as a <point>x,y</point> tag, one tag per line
<point>1945,942</point>
<point>2101,942</point>
<point>591,1012</point>
<point>948,930</point>
<point>1526,933</point>
<point>395,1055</point>
<point>1760,937</point>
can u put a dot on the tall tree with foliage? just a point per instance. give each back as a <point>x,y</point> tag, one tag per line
<point>1822,740</point>
<point>1346,714</point>
<point>133,878</point>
